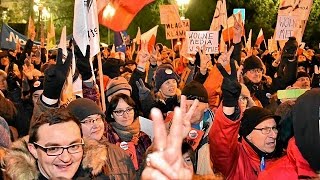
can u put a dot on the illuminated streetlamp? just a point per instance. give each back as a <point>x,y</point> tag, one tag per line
<point>182,7</point>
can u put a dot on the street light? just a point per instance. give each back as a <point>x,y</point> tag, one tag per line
<point>108,12</point>
<point>183,7</point>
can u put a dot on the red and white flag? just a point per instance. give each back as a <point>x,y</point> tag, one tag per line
<point>260,38</point>
<point>86,26</point>
<point>220,16</point>
<point>228,28</point>
<point>150,37</point>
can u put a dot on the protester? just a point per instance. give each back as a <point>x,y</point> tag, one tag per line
<point>302,158</point>
<point>257,128</point>
<point>54,149</point>
<point>118,164</point>
<point>124,130</point>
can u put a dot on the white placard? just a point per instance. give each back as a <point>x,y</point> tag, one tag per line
<point>197,39</point>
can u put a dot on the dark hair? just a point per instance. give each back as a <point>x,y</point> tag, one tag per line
<point>52,116</point>
<point>114,103</point>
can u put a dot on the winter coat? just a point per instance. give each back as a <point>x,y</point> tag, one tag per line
<point>234,159</point>
<point>100,161</point>
<point>143,143</point>
<point>292,166</point>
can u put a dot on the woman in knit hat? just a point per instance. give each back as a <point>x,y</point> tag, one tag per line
<point>117,165</point>
<point>124,129</point>
<point>166,92</point>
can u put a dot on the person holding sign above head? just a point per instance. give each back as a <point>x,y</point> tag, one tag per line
<point>124,130</point>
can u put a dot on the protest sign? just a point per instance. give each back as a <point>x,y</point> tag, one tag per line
<point>290,93</point>
<point>286,26</point>
<point>272,45</point>
<point>177,30</point>
<point>197,39</point>
<point>300,8</point>
<point>169,14</point>
<point>146,126</point>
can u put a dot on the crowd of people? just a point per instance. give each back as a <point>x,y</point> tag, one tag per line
<point>214,116</point>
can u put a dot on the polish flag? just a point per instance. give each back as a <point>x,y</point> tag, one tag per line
<point>260,37</point>
<point>150,36</point>
<point>228,28</point>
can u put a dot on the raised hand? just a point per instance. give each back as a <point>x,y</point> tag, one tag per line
<point>167,161</point>
<point>154,55</point>
<point>143,90</point>
<point>205,60</point>
<point>231,88</point>
<point>187,114</point>
<point>55,76</point>
<point>143,54</point>
<point>316,69</point>
<point>83,62</point>
<point>224,58</point>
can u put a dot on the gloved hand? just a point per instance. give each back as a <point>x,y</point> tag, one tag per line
<point>231,88</point>
<point>55,76</point>
<point>83,62</point>
<point>143,90</point>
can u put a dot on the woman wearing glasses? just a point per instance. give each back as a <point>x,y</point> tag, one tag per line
<point>123,128</point>
<point>117,163</point>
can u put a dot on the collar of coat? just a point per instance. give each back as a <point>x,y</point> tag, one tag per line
<point>20,164</point>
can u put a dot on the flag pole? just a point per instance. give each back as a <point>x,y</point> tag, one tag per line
<point>103,100</point>
<point>265,44</point>
<point>228,35</point>
<point>172,44</point>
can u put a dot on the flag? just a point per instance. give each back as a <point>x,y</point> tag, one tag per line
<point>31,27</point>
<point>260,38</point>
<point>138,36</point>
<point>228,28</point>
<point>248,45</point>
<point>150,36</point>
<point>67,90</point>
<point>51,35</point>
<point>121,40</point>
<point>86,27</point>
<point>220,16</point>
<point>124,12</point>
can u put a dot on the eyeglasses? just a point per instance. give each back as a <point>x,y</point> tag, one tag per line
<point>58,150</point>
<point>257,70</point>
<point>92,121</point>
<point>121,112</point>
<point>267,130</point>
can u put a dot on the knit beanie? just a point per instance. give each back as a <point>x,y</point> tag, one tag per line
<point>5,139</point>
<point>252,62</point>
<point>306,115</point>
<point>111,67</point>
<point>163,74</point>
<point>302,74</point>
<point>195,90</point>
<point>82,108</point>
<point>254,116</point>
<point>117,84</point>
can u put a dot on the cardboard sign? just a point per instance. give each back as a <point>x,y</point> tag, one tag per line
<point>169,14</point>
<point>299,8</point>
<point>194,138</point>
<point>197,39</point>
<point>290,93</point>
<point>146,126</point>
<point>177,30</point>
<point>130,149</point>
<point>286,25</point>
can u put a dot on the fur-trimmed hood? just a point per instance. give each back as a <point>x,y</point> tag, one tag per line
<point>20,164</point>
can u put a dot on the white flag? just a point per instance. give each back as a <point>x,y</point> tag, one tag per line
<point>63,43</point>
<point>220,16</point>
<point>248,45</point>
<point>86,27</point>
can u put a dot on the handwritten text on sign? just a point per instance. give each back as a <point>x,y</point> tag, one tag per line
<point>177,30</point>
<point>197,39</point>
<point>286,26</point>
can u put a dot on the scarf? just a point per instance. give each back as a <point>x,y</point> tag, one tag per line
<point>128,133</point>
